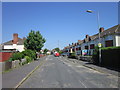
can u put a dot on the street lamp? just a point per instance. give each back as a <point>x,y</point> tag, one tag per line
<point>99,44</point>
<point>90,11</point>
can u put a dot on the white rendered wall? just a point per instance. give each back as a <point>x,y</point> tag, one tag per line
<point>117,37</point>
<point>20,48</point>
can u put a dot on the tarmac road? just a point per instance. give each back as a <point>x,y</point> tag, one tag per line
<point>58,72</point>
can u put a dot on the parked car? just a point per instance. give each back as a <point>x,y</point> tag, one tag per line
<point>56,54</point>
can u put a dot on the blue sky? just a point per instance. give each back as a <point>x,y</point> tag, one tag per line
<point>65,22</point>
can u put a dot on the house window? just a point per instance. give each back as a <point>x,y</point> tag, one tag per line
<point>89,39</point>
<point>69,50</point>
<point>109,43</point>
<point>86,47</point>
<point>73,49</point>
<point>79,48</point>
<point>76,49</point>
<point>92,46</point>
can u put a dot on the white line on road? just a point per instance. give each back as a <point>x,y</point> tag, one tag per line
<point>83,84</point>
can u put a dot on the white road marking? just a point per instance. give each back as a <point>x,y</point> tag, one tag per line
<point>83,84</point>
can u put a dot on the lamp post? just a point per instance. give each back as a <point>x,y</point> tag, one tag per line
<point>99,44</point>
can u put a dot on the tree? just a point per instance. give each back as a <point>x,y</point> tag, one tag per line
<point>34,41</point>
<point>57,49</point>
<point>17,56</point>
<point>61,52</point>
<point>29,53</point>
<point>45,51</point>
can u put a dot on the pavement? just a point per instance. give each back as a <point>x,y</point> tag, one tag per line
<point>13,78</point>
<point>95,67</point>
<point>105,70</point>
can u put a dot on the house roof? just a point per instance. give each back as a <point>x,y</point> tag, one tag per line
<point>110,31</point>
<point>20,42</point>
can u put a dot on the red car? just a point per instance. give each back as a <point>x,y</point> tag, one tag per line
<point>57,54</point>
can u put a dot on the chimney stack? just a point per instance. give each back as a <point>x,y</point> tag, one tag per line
<point>15,38</point>
<point>24,38</point>
<point>101,29</point>
<point>79,40</point>
<point>87,36</point>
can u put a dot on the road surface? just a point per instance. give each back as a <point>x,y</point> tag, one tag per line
<point>58,72</point>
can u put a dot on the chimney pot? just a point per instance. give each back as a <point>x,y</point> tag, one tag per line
<point>79,40</point>
<point>101,29</point>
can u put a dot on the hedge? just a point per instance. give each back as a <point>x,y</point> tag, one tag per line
<point>20,55</point>
<point>72,55</point>
<point>110,56</point>
<point>28,59</point>
<point>29,53</point>
<point>17,56</point>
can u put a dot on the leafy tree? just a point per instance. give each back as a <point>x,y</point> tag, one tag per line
<point>34,41</point>
<point>60,52</point>
<point>17,56</point>
<point>57,49</point>
<point>29,53</point>
<point>28,59</point>
<point>45,51</point>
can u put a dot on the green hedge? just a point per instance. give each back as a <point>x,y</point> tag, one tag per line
<point>110,57</point>
<point>20,55</point>
<point>72,55</point>
<point>29,53</point>
<point>17,56</point>
<point>95,56</point>
<point>28,59</point>
<point>109,48</point>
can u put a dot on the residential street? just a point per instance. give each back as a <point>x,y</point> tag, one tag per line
<point>59,72</point>
<point>60,45</point>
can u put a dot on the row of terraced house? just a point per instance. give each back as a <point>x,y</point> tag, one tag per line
<point>108,38</point>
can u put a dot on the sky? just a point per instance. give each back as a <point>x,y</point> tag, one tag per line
<point>60,23</point>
